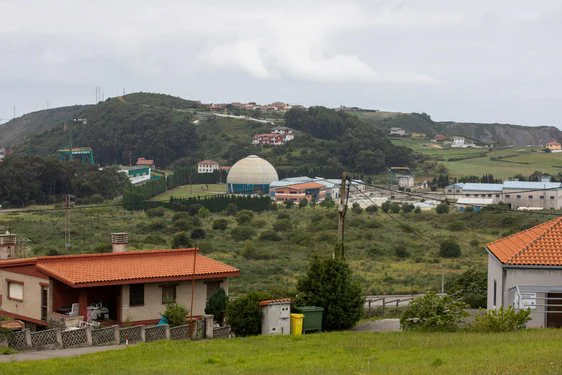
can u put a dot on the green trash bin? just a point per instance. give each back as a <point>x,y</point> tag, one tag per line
<point>312,318</point>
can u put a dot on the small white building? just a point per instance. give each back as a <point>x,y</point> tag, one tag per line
<point>276,317</point>
<point>525,271</point>
<point>458,142</point>
<point>207,166</point>
<point>397,132</point>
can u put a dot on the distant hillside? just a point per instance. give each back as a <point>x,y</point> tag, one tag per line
<point>503,134</point>
<point>16,130</point>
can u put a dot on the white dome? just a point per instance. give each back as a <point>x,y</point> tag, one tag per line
<point>252,170</point>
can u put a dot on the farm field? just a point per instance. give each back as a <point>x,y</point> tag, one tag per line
<point>194,190</point>
<point>524,352</point>
<point>277,245</point>
<point>476,162</point>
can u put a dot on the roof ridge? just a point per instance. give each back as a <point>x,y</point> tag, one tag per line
<point>539,237</point>
<point>523,231</point>
<point>119,254</point>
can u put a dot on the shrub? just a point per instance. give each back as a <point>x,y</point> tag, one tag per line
<point>104,248</point>
<point>501,320</point>
<point>449,249</point>
<point>259,223</point>
<point>407,207</point>
<point>194,209</point>
<point>433,313</point>
<point>180,216</point>
<point>181,225</point>
<point>468,209</point>
<point>371,209</point>
<point>181,240</point>
<point>385,207</point>
<point>175,313</point>
<point>329,283</point>
<point>282,225</point>
<point>303,203</point>
<point>455,226</point>
<point>283,215</point>
<point>417,210</point>
<point>269,235</point>
<point>470,286</point>
<point>216,305</point>
<point>242,233</point>
<point>328,202</point>
<point>244,315</point>
<point>401,252</point>
<point>442,208</point>
<point>356,208</point>
<point>203,212</point>
<point>198,233</point>
<point>157,225</point>
<point>220,224</point>
<point>231,209</point>
<point>289,203</point>
<point>156,212</point>
<point>394,208</point>
<point>244,217</point>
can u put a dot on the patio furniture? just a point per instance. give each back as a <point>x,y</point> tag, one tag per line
<point>74,310</point>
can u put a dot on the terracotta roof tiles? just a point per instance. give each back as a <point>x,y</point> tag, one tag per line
<point>274,301</point>
<point>134,266</point>
<point>540,245</point>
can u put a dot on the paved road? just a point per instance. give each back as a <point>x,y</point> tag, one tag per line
<point>383,325</point>
<point>58,353</point>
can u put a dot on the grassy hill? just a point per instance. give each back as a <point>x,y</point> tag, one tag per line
<point>17,130</point>
<point>503,134</point>
<point>526,352</point>
<point>385,257</point>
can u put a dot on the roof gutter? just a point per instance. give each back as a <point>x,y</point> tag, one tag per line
<point>523,266</point>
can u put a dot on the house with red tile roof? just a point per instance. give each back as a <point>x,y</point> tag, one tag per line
<point>525,271</point>
<point>311,191</point>
<point>145,162</point>
<point>119,287</point>
<point>207,166</point>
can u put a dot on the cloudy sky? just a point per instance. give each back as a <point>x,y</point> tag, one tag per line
<point>473,60</point>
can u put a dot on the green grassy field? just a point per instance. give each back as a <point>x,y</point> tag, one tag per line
<point>527,352</point>
<point>512,161</point>
<point>371,242</point>
<point>188,191</point>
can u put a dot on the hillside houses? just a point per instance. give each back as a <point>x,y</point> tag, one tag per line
<point>207,166</point>
<point>279,135</point>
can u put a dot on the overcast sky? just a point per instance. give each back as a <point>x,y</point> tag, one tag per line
<point>473,60</point>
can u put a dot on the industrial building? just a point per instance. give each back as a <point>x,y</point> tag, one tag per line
<point>251,175</point>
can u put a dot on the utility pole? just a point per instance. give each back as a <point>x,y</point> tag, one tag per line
<point>339,250</point>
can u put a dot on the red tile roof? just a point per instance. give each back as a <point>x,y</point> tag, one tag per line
<point>306,185</point>
<point>83,270</point>
<point>538,246</point>
<point>143,161</point>
<point>273,301</point>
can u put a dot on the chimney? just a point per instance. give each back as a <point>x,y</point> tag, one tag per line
<point>119,242</point>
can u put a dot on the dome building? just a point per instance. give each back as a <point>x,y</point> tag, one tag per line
<point>251,175</point>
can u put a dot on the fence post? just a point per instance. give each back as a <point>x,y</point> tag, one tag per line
<point>209,319</point>
<point>167,327</point>
<point>116,333</point>
<point>27,337</point>
<point>58,334</point>
<point>142,334</point>
<point>89,336</point>
<point>369,311</point>
<point>383,304</point>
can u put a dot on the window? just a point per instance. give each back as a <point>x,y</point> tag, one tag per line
<point>168,293</point>
<point>495,292</point>
<point>551,197</point>
<point>136,295</point>
<point>508,196</point>
<point>15,290</point>
<point>530,197</point>
<point>449,191</point>
<point>489,195</point>
<point>497,195</point>
<point>541,197</point>
<point>518,196</point>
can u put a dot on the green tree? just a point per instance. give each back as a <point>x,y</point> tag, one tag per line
<point>356,208</point>
<point>244,217</point>
<point>385,207</point>
<point>449,249</point>
<point>175,313</point>
<point>220,224</point>
<point>181,240</point>
<point>371,209</point>
<point>470,286</point>
<point>216,305</point>
<point>244,315</point>
<point>329,283</point>
<point>433,313</point>
<point>394,208</point>
<point>242,233</point>
<point>442,208</point>
<point>289,203</point>
<point>328,202</point>
<point>303,203</point>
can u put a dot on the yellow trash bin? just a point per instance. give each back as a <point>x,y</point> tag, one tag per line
<point>296,324</point>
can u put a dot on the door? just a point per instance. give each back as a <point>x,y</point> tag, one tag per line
<point>44,302</point>
<point>554,310</point>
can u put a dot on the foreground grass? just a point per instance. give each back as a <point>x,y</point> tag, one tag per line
<point>527,352</point>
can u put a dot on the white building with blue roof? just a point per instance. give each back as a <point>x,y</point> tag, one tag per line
<point>516,194</point>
